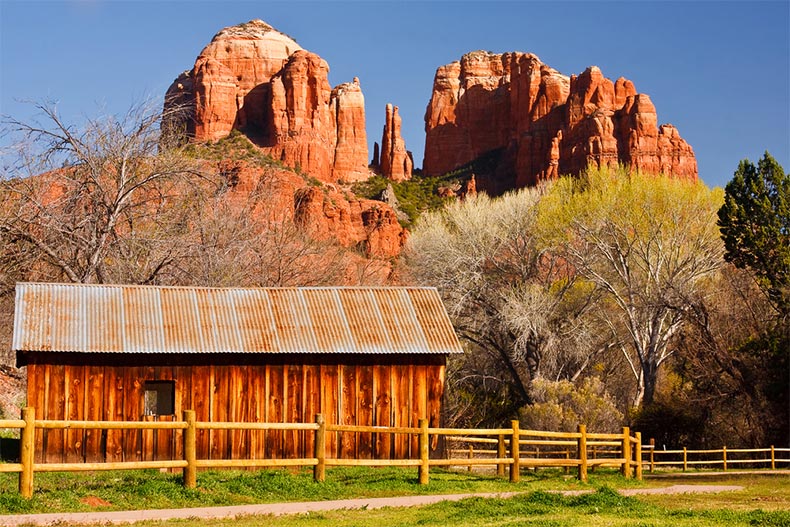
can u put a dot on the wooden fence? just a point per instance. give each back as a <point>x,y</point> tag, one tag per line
<point>624,449</point>
<point>724,458</point>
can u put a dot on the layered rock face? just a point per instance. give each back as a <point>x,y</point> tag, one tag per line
<point>322,211</point>
<point>257,80</point>
<point>395,162</point>
<point>370,224</point>
<point>540,123</point>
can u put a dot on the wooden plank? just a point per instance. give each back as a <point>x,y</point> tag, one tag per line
<point>220,411</point>
<point>274,438</point>
<point>311,403</point>
<point>257,407</point>
<point>201,393</point>
<point>414,412</point>
<point>74,385</point>
<point>56,406</point>
<point>348,409</point>
<point>94,411</point>
<point>365,409</point>
<point>382,410</point>
<point>37,396</point>
<point>401,404</point>
<point>147,443</point>
<point>420,392</point>
<point>212,395</point>
<point>330,404</point>
<point>239,410</point>
<point>294,439</point>
<point>133,411</point>
<point>435,382</point>
<point>113,411</point>
<point>183,396</point>
<point>147,440</point>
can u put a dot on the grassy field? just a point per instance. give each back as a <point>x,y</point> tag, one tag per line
<point>764,501</point>
<point>124,490</point>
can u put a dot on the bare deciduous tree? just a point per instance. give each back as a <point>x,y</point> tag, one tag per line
<point>73,198</point>
<point>516,305</point>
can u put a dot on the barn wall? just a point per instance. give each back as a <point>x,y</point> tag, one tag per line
<point>363,390</point>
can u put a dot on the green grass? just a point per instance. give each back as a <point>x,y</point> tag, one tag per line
<point>123,490</point>
<point>765,501</point>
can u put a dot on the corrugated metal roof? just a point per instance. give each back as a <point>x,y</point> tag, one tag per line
<point>149,319</point>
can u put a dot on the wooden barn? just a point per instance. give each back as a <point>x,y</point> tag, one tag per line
<point>358,355</point>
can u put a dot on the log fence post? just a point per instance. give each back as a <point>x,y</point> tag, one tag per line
<point>319,447</point>
<point>500,453</point>
<point>27,451</point>
<point>685,459</point>
<point>773,458</point>
<point>582,452</point>
<point>724,457</point>
<point>626,470</point>
<point>639,456</point>
<point>471,456</point>
<point>190,450</point>
<point>423,447</point>
<point>515,446</point>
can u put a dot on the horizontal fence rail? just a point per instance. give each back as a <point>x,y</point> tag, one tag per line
<point>723,458</point>
<point>506,449</point>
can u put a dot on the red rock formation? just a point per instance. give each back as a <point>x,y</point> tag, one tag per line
<point>395,161</point>
<point>259,81</point>
<point>541,124</point>
<point>351,148</point>
<point>327,213</point>
<point>301,132</point>
<point>322,211</point>
<point>230,73</point>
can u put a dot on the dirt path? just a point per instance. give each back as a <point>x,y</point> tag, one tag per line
<point>277,509</point>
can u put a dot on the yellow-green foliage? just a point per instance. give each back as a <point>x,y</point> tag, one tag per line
<point>647,242</point>
<point>641,204</point>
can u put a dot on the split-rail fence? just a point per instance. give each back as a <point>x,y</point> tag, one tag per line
<point>624,449</point>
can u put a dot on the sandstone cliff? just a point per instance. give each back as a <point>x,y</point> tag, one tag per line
<point>538,123</point>
<point>257,80</point>
<point>321,212</point>
<point>395,162</point>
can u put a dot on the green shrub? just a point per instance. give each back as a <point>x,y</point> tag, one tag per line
<point>561,406</point>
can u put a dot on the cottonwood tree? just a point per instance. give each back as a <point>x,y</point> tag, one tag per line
<point>648,243</point>
<point>74,200</point>
<point>507,297</point>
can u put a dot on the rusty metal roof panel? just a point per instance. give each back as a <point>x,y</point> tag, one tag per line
<point>150,319</point>
<point>330,327</point>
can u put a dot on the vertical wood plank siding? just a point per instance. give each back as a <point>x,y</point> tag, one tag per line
<point>348,389</point>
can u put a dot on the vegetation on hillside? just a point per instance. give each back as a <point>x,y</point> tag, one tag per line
<point>415,196</point>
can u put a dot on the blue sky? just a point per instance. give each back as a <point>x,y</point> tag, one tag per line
<point>718,71</point>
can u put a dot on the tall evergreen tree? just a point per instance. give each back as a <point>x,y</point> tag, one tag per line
<point>755,226</point>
